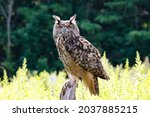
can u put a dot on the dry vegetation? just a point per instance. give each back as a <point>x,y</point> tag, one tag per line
<point>126,84</point>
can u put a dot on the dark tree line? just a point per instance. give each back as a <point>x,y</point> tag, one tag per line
<point>119,27</point>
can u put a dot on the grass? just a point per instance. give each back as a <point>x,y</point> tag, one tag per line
<point>125,84</point>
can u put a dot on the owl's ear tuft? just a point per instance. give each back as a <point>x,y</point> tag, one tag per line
<point>73,18</point>
<point>57,18</point>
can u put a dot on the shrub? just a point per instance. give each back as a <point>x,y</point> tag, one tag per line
<point>125,84</point>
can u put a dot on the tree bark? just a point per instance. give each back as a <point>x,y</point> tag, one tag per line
<point>10,6</point>
<point>6,10</point>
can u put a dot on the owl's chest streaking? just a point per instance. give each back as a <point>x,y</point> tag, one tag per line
<point>63,54</point>
<point>70,65</point>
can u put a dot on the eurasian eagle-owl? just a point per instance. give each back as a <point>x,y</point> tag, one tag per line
<point>80,58</point>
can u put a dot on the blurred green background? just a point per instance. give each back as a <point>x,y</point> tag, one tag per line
<point>119,27</point>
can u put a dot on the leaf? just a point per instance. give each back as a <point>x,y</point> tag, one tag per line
<point>89,26</point>
<point>107,18</point>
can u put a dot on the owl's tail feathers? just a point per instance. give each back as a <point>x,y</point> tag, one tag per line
<point>104,75</point>
<point>91,83</point>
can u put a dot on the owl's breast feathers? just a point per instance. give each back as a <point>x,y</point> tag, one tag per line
<point>85,55</point>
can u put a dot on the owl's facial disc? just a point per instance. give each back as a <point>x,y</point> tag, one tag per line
<point>64,27</point>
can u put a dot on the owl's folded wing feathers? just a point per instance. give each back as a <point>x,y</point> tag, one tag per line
<point>86,55</point>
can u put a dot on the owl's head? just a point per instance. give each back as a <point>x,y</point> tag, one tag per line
<point>63,27</point>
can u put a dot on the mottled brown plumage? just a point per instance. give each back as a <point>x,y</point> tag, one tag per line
<point>80,58</point>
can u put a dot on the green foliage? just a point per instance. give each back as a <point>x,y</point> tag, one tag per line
<point>42,64</point>
<point>138,60</point>
<point>89,26</point>
<point>127,65</point>
<point>107,18</point>
<point>125,84</point>
<point>5,79</point>
<point>119,27</point>
<point>139,35</point>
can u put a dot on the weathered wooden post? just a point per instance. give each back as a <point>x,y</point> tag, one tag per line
<point>68,91</point>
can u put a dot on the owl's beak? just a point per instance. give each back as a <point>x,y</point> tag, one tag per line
<point>64,30</point>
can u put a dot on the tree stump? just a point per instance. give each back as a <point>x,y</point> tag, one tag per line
<point>68,91</point>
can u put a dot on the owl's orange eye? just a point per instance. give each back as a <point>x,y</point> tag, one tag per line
<point>59,26</point>
<point>70,26</point>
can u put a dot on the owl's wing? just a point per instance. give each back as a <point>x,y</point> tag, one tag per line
<point>86,55</point>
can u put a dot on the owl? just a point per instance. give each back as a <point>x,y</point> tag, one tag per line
<point>82,61</point>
